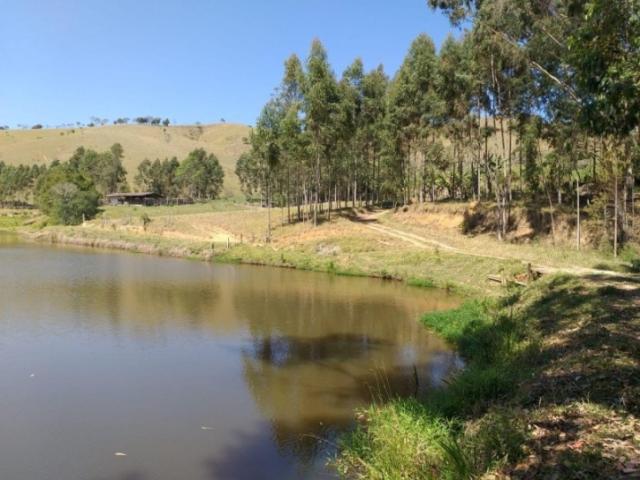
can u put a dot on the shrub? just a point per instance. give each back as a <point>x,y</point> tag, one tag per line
<point>66,196</point>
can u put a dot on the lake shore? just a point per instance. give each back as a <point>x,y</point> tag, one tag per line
<point>551,381</point>
<point>550,390</point>
<point>340,246</point>
<point>423,245</point>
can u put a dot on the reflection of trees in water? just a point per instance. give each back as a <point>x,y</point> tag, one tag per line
<point>302,311</point>
<point>317,354</point>
<point>319,346</point>
<point>309,387</point>
<point>140,293</point>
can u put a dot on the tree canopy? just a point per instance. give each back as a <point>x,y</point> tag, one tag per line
<point>530,99</point>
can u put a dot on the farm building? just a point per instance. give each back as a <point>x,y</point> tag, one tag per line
<point>134,198</point>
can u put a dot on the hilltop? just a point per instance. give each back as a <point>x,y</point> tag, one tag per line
<point>225,140</point>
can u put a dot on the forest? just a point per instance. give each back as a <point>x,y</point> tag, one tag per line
<point>533,103</point>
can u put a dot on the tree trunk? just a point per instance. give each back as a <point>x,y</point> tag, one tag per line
<point>615,206</point>
<point>317,192</point>
<point>577,212</point>
<point>268,213</point>
<point>551,214</point>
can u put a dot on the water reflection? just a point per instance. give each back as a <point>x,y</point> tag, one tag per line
<point>145,352</point>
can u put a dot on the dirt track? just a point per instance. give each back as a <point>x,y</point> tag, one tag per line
<point>624,280</point>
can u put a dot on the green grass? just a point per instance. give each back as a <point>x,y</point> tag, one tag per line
<point>10,220</point>
<point>9,223</point>
<point>421,282</point>
<point>556,359</point>
<point>426,438</point>
<point>134,211</point>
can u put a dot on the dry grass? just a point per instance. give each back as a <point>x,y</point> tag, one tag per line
<point>139,142</point>
<point>443,222</point>
<point>426,248</point>
<point>340,245</point>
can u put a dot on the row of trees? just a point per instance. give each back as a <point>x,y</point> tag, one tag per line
<point>146,120</point>
<point>17,182</point>
<point>104,170</point>
<point>537,101</point>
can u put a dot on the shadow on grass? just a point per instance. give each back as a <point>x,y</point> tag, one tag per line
<point>595,353</point>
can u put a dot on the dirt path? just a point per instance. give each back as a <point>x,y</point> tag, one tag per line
<point>425,242</point>
<point>625,280</point>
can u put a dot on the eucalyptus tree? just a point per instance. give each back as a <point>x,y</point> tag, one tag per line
<point>350,142</point>
<point>292,141</point>
<point>604,51</point>
<point>200,175</point>
<point>105,169</point>
<point>321,100</point>
<point>266,153</point>
<point>372,125</point>
<point>582,61</point>
<point>159,177</point>
<point>454,84</point>
<point>414,112</point>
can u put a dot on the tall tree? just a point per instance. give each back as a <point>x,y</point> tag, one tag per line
<point>320,107</point>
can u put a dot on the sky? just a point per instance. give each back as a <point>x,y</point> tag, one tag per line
<point>64,61</point>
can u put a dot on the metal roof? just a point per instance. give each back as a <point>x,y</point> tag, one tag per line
<point>133,194</point>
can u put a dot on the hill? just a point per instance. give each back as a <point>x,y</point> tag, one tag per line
<point>226,140</point>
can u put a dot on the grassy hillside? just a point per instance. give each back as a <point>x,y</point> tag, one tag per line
<point>139,142</point>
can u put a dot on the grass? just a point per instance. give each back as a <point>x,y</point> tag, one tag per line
<point>443,222</point>
<point>339,246</point>
<point>13,219</point>
<point>10,223</point>
<point>548,391</point>
<point>124,211</point>
<point>429,434</point>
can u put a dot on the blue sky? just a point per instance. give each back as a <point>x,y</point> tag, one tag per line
<point>64,61</point>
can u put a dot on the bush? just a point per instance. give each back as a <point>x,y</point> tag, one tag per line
<point>66,196</point>
<point>630,254</point>
<point>146,220</point>
<point>435,437</point>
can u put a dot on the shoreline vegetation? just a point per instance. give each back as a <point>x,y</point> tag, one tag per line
<point>551,383</point>
<point>430,245</point>
<point>550,390</point>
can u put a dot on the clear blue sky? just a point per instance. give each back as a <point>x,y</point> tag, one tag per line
<point>63,61</point>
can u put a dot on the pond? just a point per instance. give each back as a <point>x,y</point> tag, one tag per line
<point>130,367</point>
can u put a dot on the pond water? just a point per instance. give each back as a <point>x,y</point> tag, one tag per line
<point>120,366</point>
